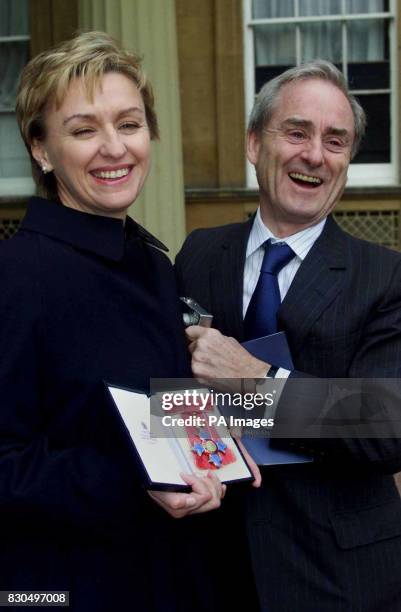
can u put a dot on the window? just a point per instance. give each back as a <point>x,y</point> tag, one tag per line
<point>15,167</point>
<point>359,37</point>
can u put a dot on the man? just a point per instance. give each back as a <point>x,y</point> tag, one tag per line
<point>324,536</point>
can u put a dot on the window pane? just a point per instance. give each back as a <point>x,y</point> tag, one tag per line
<point>14,17</point>
<point>14,160</point>
<point>366,6</point>
<point>13,57</point>
<point>263,9</point>
<point>274,45</point>
<point>274,52</point>
<point>368,41</point>
<point>266,73</point>
<point>321,40</point>
<point>376,146</point>
<point>369,75</point>
<point>317,7</point>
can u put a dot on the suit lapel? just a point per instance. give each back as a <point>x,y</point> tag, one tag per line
<point>227,279</point>
<point>317,282</point>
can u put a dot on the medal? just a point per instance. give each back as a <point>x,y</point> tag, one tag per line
<point>204,443</point>
<point>213,448</point>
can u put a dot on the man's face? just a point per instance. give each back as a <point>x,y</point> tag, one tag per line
<point>302,156</point>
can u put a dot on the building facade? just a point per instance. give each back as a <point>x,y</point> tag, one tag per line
<point>207,61</point>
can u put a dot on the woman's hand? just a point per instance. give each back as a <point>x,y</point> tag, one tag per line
<point>252,464</point>
<point>207,493</point>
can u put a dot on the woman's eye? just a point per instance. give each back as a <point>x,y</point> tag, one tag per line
<point>129,126</point>
<point>83,132</point>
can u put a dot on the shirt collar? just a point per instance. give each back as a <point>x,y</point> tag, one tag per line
<point>104,236</point>
<point>301,242</point>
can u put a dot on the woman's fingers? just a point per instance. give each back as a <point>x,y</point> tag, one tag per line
<point>207,493</point>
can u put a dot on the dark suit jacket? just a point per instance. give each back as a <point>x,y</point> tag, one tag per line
<point>324,536</point>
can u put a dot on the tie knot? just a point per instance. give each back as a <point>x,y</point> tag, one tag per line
<point>276,256</point>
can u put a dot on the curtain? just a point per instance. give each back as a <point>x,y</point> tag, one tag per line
<point>275,45</point>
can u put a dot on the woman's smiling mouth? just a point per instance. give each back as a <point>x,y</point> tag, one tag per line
<point>114,174</point>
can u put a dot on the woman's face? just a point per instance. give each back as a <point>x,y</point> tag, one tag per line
<point>99,151</point>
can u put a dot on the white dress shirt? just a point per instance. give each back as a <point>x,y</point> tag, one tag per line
<point>301,243</point>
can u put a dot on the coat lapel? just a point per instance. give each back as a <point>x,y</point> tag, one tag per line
<point>315,285</point>
<point>227,279</point>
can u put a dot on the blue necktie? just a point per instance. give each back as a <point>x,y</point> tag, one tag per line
<point>261,316</point>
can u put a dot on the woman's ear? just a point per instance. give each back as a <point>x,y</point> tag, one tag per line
<point>40,155</point>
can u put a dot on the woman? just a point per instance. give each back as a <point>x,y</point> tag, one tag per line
<point>86,296</point>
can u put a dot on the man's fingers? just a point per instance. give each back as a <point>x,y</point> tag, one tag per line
<point>218,356</point>
<point>193,332</point>
<point>192,346</point>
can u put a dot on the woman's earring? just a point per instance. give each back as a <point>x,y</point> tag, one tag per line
<point>44,168</point>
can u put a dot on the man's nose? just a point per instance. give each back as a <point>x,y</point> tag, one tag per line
<point>113,145</point>
<point>313,152</point>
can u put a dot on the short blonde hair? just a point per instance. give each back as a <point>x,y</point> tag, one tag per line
<point>46,78</point>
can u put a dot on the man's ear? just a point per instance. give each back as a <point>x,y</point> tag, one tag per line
<point>39,153</point>
<point>252,147</point>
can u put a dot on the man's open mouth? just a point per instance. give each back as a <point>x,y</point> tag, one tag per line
<point>306,180</point>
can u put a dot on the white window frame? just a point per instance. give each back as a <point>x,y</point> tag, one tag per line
<point>359,174</point>
<point>15,186</point>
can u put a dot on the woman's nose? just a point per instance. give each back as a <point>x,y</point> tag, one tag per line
<point>113,145</point>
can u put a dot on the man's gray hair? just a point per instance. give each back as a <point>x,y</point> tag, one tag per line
<point>267,98</point>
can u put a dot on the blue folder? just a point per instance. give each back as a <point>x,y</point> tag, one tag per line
<point>273,349</point>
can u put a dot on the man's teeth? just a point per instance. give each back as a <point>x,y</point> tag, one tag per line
<point>112,174</point>
<point>306,178</point>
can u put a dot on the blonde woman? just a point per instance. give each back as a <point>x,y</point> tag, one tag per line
<point>88,295</point>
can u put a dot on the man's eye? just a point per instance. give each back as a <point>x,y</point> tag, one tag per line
<point>335,144</point>
<point>296,135</point>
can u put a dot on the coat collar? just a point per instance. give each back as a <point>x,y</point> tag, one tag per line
<point>103,236</point>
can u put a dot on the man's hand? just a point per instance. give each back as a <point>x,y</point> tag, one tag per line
<point>207,493</point>
<point>218,356</point>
